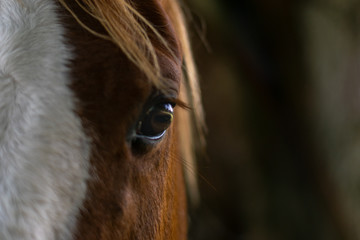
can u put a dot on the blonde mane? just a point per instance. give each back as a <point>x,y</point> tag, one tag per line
<point>128,29</point>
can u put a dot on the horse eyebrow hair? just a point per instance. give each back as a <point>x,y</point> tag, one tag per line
<point>128,33</point>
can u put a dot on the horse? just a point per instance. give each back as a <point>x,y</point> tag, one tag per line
<point>100,111</point>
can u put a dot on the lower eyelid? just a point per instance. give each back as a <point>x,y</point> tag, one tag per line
<point>154,138</point>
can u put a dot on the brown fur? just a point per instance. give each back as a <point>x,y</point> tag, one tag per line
<point>131,195</point>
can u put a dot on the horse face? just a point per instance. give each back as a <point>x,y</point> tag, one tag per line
<point>73,162</point>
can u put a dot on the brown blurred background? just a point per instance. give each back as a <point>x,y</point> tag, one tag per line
<point>281,91</point>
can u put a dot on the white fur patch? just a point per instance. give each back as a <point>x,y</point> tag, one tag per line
<point>43,149</point>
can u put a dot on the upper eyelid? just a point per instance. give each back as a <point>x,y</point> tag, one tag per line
<point>161,98</point>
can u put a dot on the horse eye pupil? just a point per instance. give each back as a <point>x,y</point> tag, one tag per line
<point>156,121</point>
<point>163,118</point>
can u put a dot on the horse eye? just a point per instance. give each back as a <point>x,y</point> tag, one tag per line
<point>155,122</point>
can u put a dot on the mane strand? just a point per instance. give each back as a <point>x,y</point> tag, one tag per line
<point>193,128</point>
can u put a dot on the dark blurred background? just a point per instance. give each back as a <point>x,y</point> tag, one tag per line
<point>281,91</point>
